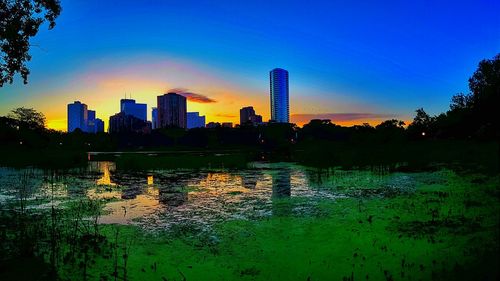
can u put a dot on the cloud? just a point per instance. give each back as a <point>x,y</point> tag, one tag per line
<point>190,96</point>
<point>339,117</point>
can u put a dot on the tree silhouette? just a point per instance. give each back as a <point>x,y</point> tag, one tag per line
<point>422,125</point>
<point>485,88</point>
<point>19,21</point>
<point>28,117</point>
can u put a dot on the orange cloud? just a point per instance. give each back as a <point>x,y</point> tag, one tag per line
<point>193,97</point>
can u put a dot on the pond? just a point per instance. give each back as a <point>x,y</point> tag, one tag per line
<point>159,198</point>
<point>280,221</point>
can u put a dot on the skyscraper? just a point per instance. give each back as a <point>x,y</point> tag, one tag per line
<point>154,118</point>
<point>172,111</point>
<point>248,116</point>
<point>98,126</point>
<point>130,107</point>
<point>90,121</point>
<point>77,116</point>
<point>194,120</point>
<point>280,109</point>
<point>126,123</point>
<point>245,114</point>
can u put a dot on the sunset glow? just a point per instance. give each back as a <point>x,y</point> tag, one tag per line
<point>356,70</point>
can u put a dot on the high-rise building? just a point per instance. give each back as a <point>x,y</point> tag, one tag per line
<point>90,121</point>
<point>245,114</point>
<point>77,116</point>
<point>172,111</point>
<point>248,116</point>
<point>256,119</point>
<point>280,110</point>
<point>98,126</point>
<point>80,117</point>
<point>130,107</point>
<point>154,118</point>
<point>125,123</point>
<point>194,120</point>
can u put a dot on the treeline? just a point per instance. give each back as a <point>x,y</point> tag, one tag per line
<point>471,116</point>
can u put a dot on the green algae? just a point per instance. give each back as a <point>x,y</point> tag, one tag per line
<point>441,225</point>
<point>431,234</point>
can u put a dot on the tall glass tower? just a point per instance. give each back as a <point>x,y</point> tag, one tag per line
<point>280,109</point>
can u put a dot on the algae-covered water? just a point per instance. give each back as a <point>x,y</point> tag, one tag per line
<point>269,221</point>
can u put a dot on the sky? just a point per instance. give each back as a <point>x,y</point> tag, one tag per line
<point>348,61</point>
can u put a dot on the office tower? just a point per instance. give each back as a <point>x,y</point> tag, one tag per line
<point>98,126</point>
<point>245,114</point>
<point>130,107</point>
<point>248,116</point>
<point>154,118</point>
<point>90,121</point>
<point>256,119</point>
<point>194,120</point>
<point>77,116</point>
<point>172,109</point>
<point>125,123</point>
<point>279,95</point>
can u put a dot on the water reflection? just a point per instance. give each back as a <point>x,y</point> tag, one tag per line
<point>281,183</point>
<point>105,168</point>
<point>282,190</point>
<point>173,196</point>
<point>159,198</point>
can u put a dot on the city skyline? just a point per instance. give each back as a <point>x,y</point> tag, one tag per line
<point>350,65</point>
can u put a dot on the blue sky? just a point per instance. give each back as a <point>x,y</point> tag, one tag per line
<point>375,57</point>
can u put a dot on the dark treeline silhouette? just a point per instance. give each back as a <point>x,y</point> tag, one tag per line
<point>471,121</point>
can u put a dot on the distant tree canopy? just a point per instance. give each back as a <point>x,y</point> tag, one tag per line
<point>28,117</point>
<point>19,21</point>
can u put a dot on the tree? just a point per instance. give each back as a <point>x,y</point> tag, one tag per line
<point>485,88</point>
<point>19,21</point>
<point>423,124</point>
<point>461,101</point>
<point>28,117</point>
<point>392,124</point>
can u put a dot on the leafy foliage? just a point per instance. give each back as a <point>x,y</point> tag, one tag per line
<point>28,117</point>
<point>19,21</point>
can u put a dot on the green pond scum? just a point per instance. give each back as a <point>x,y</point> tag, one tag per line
<point>267,221</point>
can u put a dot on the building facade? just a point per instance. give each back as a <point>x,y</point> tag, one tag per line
<point>248,116</point>
<point>90,121</point>
<point>98,126</point>
<point>280,108</point>
<point>245,114</point>
<point>172,111</point>
<point>154,118</point>
<point>130,107</point>
<point>77,116</point>
<point>125,123</point>
<point>194,120</point>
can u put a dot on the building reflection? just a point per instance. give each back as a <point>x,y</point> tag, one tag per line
<point>318,176</point>
<point>106,168</point>
<point>249,180</point>
<point>173,196</point>
<point>281,191</point>
<point>172,189</point>
<point>281,183</point>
